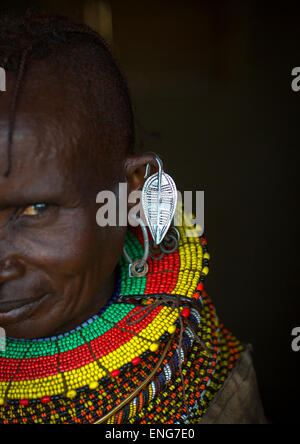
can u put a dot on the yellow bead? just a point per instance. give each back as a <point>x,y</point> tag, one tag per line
<point>205,270</point>
<point>93,385</point>
<point>207,256</point>
<point>71,394</point>
<point>1,401</point>
<point>154,347</point>
<point>172,329</point>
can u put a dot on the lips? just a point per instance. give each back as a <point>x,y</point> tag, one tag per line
<point>5,307</point>
<point>18,310</point>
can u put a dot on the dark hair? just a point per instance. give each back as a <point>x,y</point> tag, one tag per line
<point>33,37</point>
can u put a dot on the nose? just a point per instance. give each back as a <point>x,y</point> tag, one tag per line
<point>10,268</point>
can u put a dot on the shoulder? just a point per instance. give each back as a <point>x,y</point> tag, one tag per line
<point>238,401</point>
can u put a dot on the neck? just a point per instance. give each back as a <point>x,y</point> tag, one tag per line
<point>103,296</point>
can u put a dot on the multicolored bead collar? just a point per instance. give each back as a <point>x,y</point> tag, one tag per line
<point>84,375</point>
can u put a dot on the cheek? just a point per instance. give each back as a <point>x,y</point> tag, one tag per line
<point>72,259</point>
<point>73,246</point>
<point>64,248</point>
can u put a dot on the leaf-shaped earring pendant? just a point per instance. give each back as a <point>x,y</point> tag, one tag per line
<point>159,200</point>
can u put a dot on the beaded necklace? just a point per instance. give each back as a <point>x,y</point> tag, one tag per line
<point>159,331</point>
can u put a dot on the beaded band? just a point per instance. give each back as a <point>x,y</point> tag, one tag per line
<point>80,377</point>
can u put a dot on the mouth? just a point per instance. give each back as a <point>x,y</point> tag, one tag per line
<point>16,311</point>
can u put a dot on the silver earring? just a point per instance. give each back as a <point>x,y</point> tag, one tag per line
<point>168,245</point>
<point>139,268</point>
<point>171,241</point>
<point>159,200</point>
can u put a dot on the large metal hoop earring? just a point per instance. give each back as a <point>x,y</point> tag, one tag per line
<point>140,267</point>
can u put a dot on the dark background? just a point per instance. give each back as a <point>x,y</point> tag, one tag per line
<point>211,83</point>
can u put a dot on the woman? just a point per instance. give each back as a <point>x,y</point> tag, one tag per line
<point>99,328</point>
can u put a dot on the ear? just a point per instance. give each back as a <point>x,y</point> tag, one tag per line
<point>135,170</point>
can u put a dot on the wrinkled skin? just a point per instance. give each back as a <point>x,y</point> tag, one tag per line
<point>57,267</point>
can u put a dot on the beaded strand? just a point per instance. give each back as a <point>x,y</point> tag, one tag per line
<point>81,376</point>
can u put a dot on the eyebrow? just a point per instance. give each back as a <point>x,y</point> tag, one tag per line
<point>21,201</point>
<point>16,198</point>
<point>61,196</point>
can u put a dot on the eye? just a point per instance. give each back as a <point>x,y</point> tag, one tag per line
<point>35,210</point>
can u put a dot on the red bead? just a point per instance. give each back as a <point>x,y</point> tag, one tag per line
<point>24,402</point>
<point>45,399</point>
<point>204,241</point>
<point>200,286</point>
<point>115,373</point>
<point>136,361</point>
<point>186,312</point>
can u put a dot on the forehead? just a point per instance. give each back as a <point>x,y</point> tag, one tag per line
<point>44,139</point>
<point>30,163</point>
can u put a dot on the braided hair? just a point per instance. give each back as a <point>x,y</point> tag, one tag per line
<point>33,37</point>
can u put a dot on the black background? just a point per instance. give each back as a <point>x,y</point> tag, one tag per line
<point>211,83</point>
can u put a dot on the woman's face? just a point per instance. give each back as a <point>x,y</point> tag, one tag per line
<point>56,265</point>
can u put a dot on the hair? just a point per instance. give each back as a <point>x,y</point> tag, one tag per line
<point>78,50</point>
